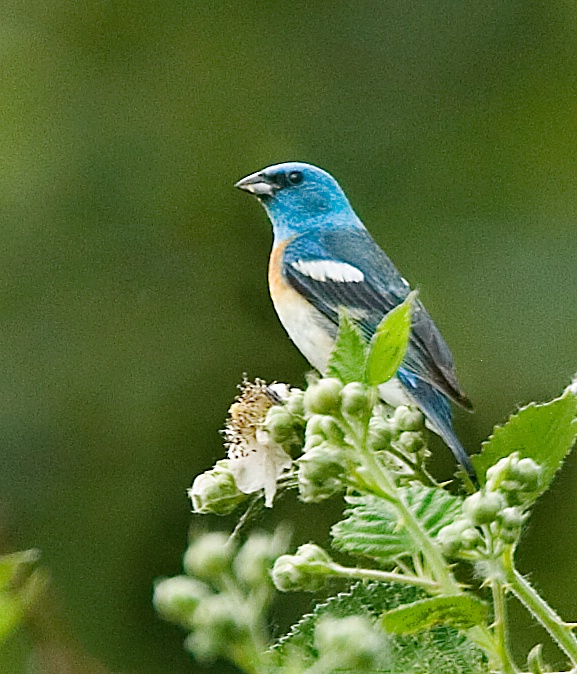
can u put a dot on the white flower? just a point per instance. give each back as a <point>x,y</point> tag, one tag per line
<point>255,460</point>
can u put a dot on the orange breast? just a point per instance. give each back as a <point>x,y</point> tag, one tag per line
<point>304,324</point>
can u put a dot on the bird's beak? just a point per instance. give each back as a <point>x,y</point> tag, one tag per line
<point>257,184</point>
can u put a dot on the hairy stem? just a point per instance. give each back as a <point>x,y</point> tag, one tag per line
<point>500,627</point>
<point>375,574</point>
<point>538,607</point>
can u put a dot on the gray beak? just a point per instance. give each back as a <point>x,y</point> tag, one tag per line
<point>257,184</point>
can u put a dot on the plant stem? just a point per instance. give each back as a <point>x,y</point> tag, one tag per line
<point>538,607</point>
<point>377,479</point>
<point>500,627</point>
<point>445,579</point>
<point>375,574</point>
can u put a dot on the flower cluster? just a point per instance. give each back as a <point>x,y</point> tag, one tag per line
<point>222,597</point>
<point>269,423</point>
<point>337,417</point>
<point>493,517</point>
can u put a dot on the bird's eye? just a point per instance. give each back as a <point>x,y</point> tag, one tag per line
<point>295,177</point>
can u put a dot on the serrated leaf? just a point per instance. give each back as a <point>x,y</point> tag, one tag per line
<point>441,649</point>
<point>461,611</point>
<point>347,361</point>
<point>545,433</point>
<point>389,343</point>
<point>372,528</point>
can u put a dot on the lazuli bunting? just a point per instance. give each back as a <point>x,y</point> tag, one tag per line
<point>324,258</point>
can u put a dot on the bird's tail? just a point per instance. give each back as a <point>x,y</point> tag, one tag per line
<point>437,410</point>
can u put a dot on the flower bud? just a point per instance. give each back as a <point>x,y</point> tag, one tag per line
<point>512,518</point>
<point>176,598</point>
<point>483,507</point>
<point>528,473</point>
<point>411,442</point>
<point>501,472</point>
<point>332,430</point>
<point>218,623</point>
<point>254,560</point>
<point>209,556</point>
<point>470,538</point>
<point>320,472</point>
<point>355,400</point>
<point>323,397</point>
<point>450,537</point>
<point>306,570</point>
<point>279,424</point>
<point>295,402</point>
<point>408,419</point>
<point>380,433</point>
<point>215,491</point>
<point>352,642</point>
<point>313,440</point>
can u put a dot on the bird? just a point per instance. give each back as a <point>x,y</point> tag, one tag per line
<point>323,258</point>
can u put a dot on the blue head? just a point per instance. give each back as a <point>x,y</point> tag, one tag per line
<point>299,198</point>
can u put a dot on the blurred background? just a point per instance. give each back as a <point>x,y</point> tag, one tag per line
<point>133,276</point>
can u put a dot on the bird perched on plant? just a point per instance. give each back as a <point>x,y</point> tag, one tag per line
<point>323,258</point>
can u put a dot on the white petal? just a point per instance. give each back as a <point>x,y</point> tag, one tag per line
<point>262,463</point>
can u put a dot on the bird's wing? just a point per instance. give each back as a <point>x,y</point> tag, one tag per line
<point>339,268</point>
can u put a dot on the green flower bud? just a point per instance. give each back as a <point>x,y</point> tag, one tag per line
<point>314,426</point>
<point>502,472</point>
<point>209,556</point>
<point>470,538</point>
<point>313,441</point>
<point>355,400</point>
<point>279,424</point>
<point>215,491</point>
<point>176,598</point>
<point>352,642</point>
<point>218,623</point>
<point>511,521</point>
<point>326,426</point>
<point>408,419</point>
<point>381,433</point>
<point>323,397</point>
<point>411,442</point>
<point>332,430</point>
<point>450,537</point>
<point>483,507</point>
<point>512,518</point>
<point>254,560</point>
<point>306,570</point>
<point>528,473</point>
<point>295,402</point>
<point>320,472</point>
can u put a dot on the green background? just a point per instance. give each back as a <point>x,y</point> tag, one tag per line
<point>133,276</point>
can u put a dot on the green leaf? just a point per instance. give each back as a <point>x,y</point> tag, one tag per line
<point>441,649</point>
<point>545,433</point>
<point>372,528</point>
<point>389,343</point>
<point>461,611</point>
<point>347,361</point>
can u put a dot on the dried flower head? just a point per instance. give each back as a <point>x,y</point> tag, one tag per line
<point>256,461</point>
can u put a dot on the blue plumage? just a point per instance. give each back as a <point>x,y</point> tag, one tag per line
<point>324,258</point>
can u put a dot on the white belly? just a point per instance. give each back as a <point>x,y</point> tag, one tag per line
<point>307,328</point>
